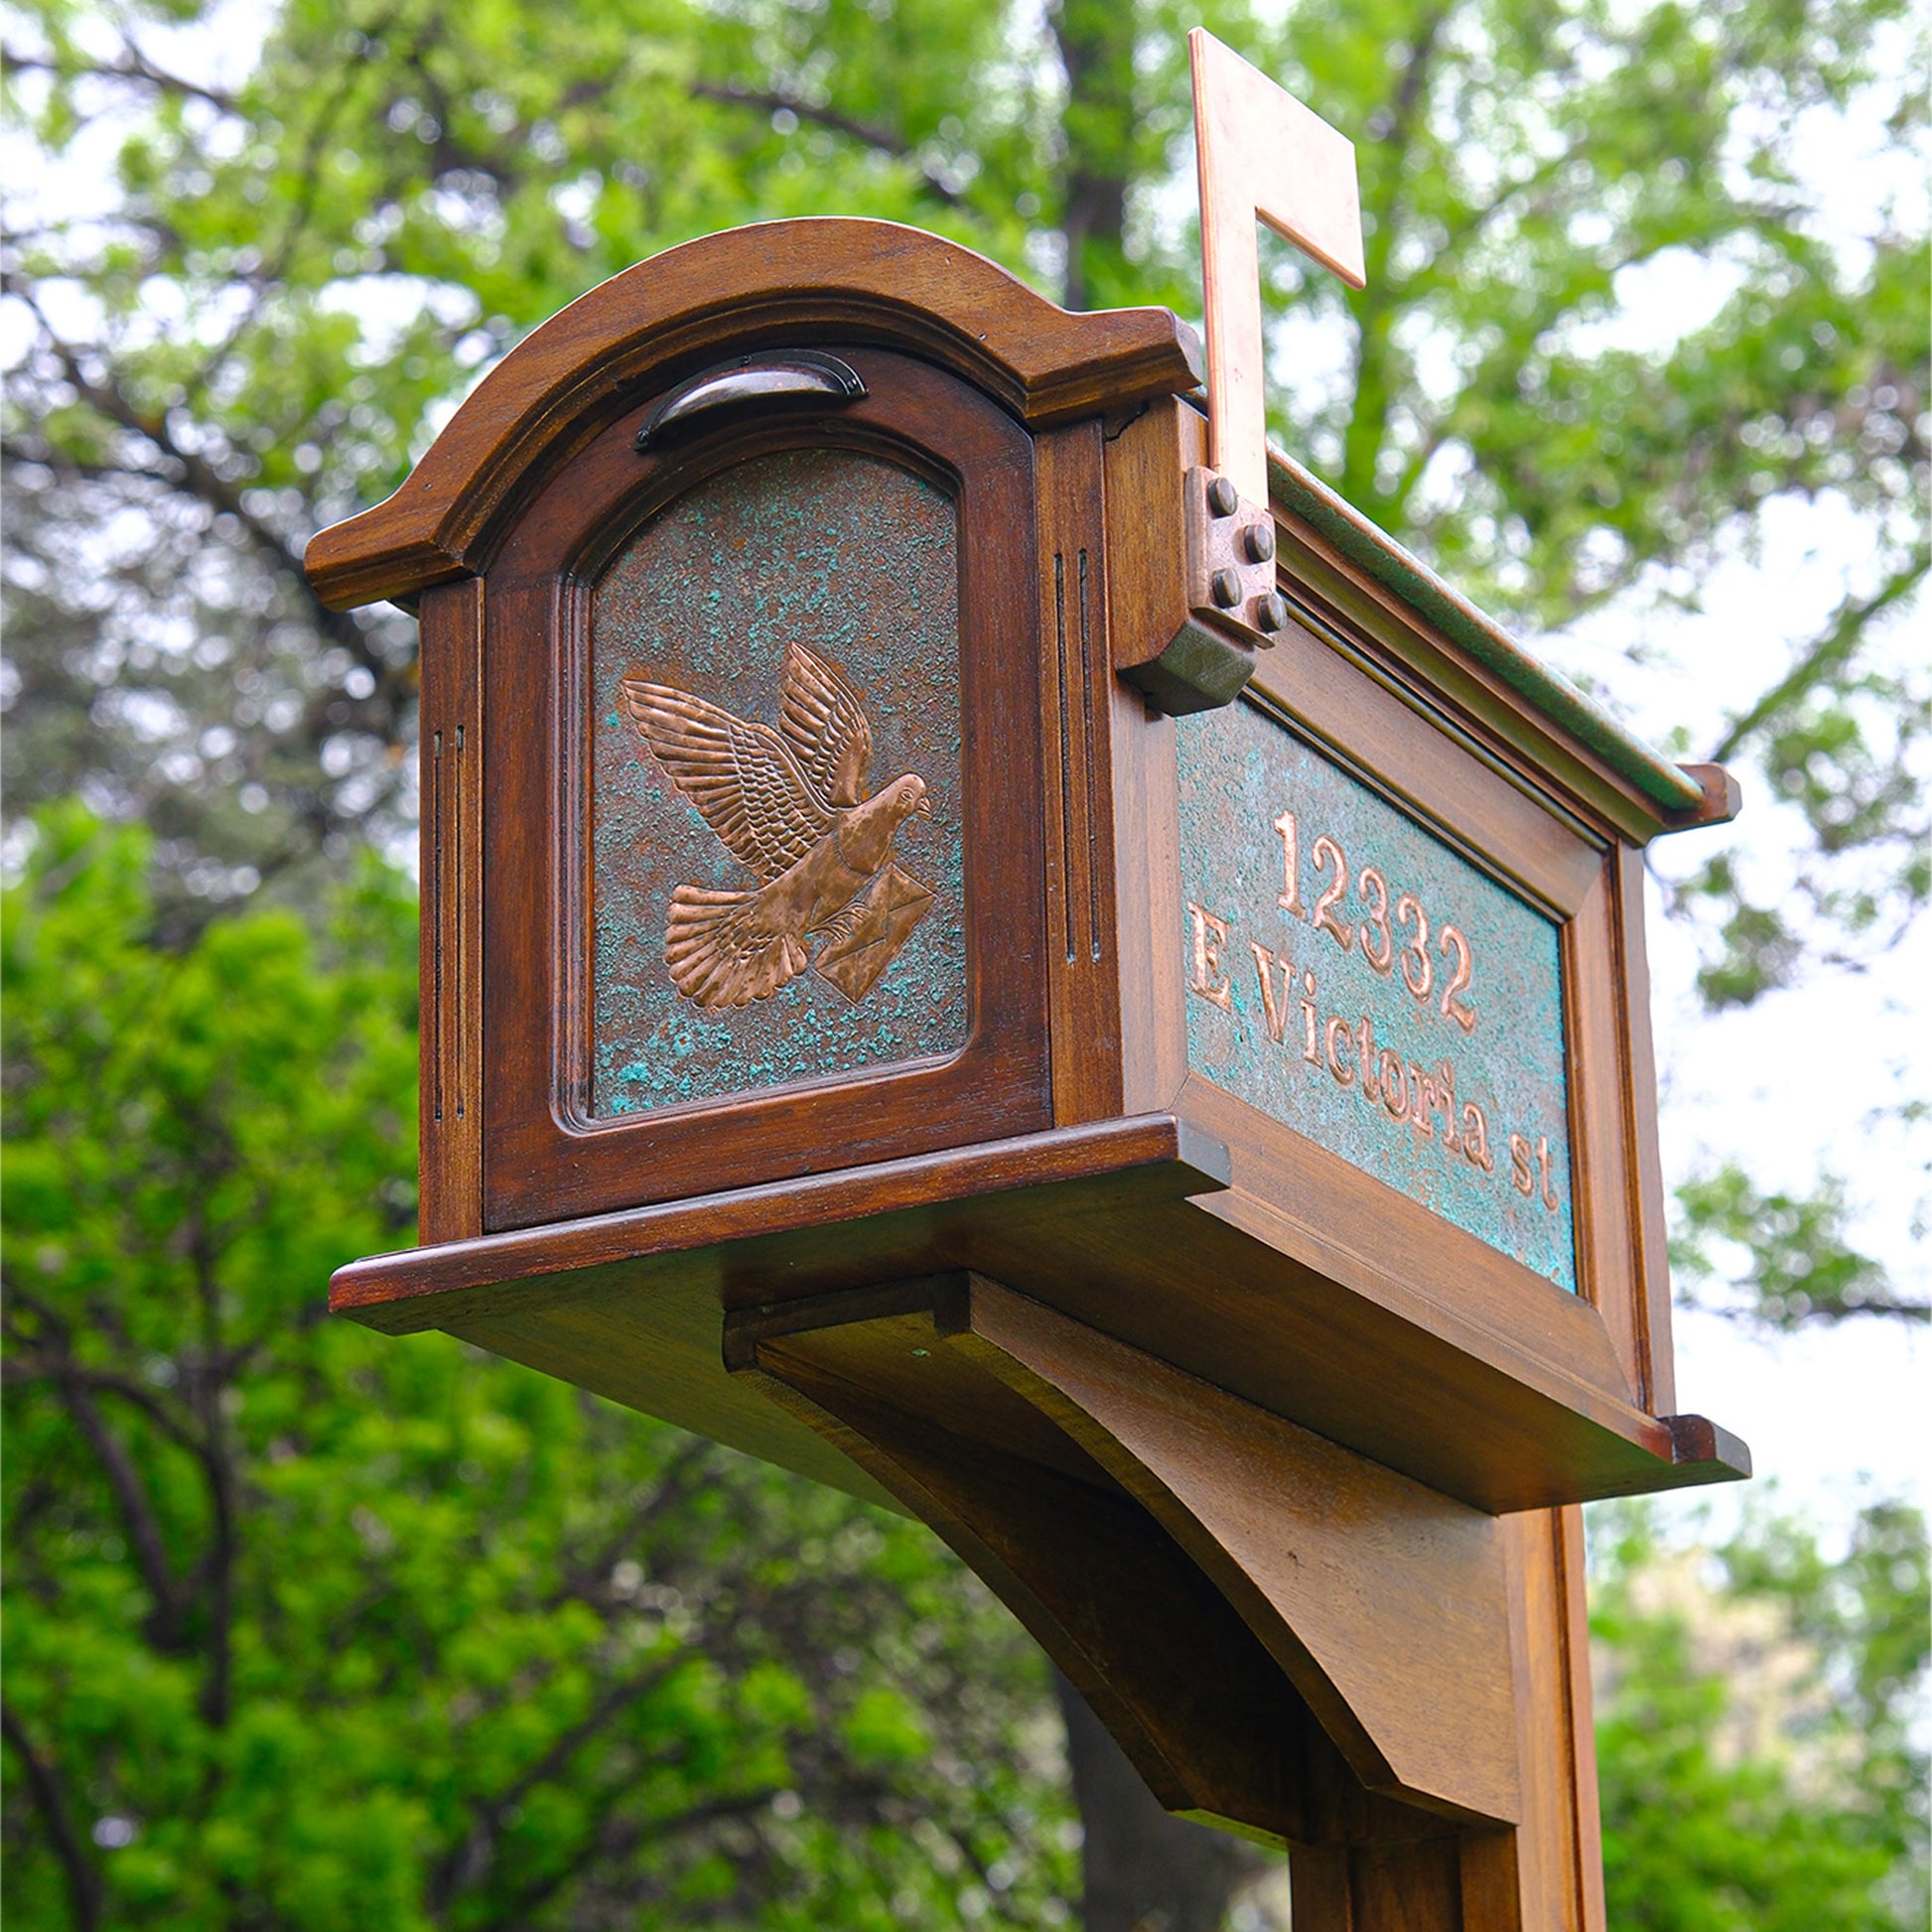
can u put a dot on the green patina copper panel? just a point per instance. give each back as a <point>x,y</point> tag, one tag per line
<point>775,792</point>
<point>1357,979</point>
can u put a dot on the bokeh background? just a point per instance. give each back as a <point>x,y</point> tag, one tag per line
<point>315,1629</point>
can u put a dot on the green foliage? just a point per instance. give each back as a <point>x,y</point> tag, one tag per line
<point>317,1628</point>
<point>277,1589</point>
<point>1754,1727</point>
<point>295,278</point>
<point>1778,1258</point>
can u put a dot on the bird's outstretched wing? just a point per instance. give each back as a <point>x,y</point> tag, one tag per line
<point>825,725</point>
<point>743,777</point>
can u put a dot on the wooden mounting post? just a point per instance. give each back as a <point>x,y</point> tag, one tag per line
<point>1288,1639</point>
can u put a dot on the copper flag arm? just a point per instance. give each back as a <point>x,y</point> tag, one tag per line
<point>1261,154</point>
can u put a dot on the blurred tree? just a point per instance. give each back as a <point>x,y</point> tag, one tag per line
<point>268,308</point>
<point>316,223</point>
<point>313,1628</point>
<point>1756,1726</point>
<point>292,276</point>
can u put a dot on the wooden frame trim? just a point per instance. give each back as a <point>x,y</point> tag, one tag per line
<point>1399,749</point>
<point>543,1158</point>
<point>415,1288</point>
<point>1076,692</point>
<point>822,279</point>
<point>451,805</point>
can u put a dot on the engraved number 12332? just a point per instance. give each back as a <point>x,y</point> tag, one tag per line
<point>1392,935</point>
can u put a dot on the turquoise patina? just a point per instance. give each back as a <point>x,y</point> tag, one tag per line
<point>1355,977</point>
<point>855,559</point>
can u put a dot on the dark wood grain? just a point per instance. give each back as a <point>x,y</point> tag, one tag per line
<point>1645,1198</point>
<point>1128,1235</point>
<point>1602,1156</point>
<point>1382,1601</point>
<point>1147,454</point>
<point>1076,689</point>
<point>452,1041</point>
<point>781,282</point>
<point>1132,1515</point>
<point>545,1158</point>
<point>1559,1848</point>
<point>390,1291</point>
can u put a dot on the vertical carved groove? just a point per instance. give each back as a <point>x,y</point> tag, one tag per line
<point>1086,757</point>
<point>459,924</point>
<point>1067,760</point>
<point>438,919</point>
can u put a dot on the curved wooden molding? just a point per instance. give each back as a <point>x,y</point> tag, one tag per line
<point>817,280</point>
<point>1217,1581</point>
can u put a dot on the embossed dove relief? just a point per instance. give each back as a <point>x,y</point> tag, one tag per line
<point>789,803</point>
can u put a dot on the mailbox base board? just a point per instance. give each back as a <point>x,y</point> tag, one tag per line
<point>1127,1226</point>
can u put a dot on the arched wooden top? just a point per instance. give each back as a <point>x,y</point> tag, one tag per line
<point>802,281</point>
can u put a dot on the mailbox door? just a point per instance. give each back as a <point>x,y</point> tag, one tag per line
<point>763,817</point>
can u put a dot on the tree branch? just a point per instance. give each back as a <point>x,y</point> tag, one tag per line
<point>467,1863</point>
<point>218,1566</point>
<point>84,1879</point>
<point>203,481</point>
<point>518,1910</point>
<point>31,1368</point>
<point>144,1534</point>
<point>1827,654</point>
<point>768,101</point>
<point>132,65</point>
<point>670,1488</point>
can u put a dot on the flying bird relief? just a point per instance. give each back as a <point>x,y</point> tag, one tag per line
<point>790,804</point>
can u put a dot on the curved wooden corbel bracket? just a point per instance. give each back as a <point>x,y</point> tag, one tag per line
<point>1285,1637</point>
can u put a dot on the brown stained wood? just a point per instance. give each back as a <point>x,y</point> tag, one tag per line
<point>1382,1601</point>
<point>1331,594</point>
<point>545,1158</point>
<point>1147,893</point>
<point>1560,1854</point>
<point>1338,1218</point>
<point>418,1287</point>
<point>1723,796</point>
<point>1146,459</point>
<point>1645,1195</point>
<point>1077,697</point>
<point>1149,449</point>
<point>1129,1242</point>
<point>450,1164</point>
<point>1499,819</point>
<point>1603,1179</point>
<point>777,284</point>
<point>1378,727</point>
<point>1545,1876</point>
<point>1186,1688</point>
<point>1114,1592</point>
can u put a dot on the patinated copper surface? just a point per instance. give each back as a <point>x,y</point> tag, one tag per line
<point>764,912</point>
<point>1353,976</point>
<point>791,805</point>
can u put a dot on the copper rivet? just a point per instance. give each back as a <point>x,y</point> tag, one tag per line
<point>1270,611</point>
<point>1258,540</point>
<point>1227,589</point>
<point>1222,496</point>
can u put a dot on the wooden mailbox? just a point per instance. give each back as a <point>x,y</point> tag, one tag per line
<point>964,956</point>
